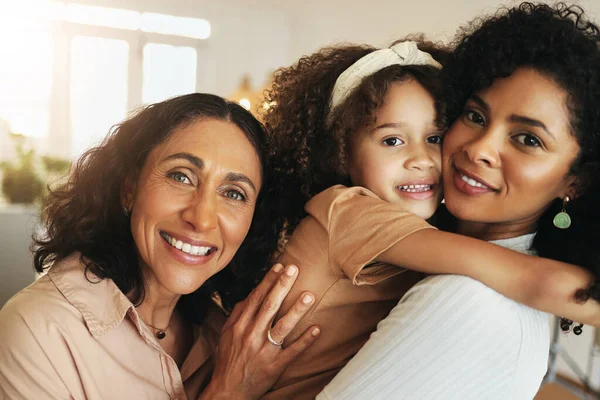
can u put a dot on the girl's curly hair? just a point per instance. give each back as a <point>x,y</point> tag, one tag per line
<point>308,147</point>
<point>85,214</point>
<point>559,42</point>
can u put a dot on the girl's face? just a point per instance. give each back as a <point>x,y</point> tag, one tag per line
<point>399,156</point>
<point>508,156</point>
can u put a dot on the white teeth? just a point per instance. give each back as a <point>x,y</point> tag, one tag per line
<point>415,188</point>
<point>186,247</point>
<point>472,182</point>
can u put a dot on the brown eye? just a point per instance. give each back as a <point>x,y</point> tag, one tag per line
<point>528,140</point>
<point>393,141</point>
<point>475,117</point>
<point>435,139</point>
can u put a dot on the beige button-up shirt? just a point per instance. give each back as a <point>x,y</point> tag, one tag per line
<point>65,337</point>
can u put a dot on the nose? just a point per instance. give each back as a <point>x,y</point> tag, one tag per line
<point>420,159</point>
<point>484,149</point>
<point>201,213</point>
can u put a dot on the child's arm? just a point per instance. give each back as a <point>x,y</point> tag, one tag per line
<point>540,283</point>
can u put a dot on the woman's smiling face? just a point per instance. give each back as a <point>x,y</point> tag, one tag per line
<point>507,157</point>
<point>193,203</point>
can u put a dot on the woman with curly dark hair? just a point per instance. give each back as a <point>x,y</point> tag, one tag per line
<point>520,168</point>
<point>170,214</point>
<point>377,132</point>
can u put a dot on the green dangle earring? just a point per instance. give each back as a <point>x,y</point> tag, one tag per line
<point>562,220</point>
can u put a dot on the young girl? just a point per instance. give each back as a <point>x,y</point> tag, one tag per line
<point>358,150</point>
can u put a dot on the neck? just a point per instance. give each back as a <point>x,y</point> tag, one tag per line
<point>157,307</point>
<point>495,231</point>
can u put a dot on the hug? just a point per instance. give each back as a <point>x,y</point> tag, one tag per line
<point>198,253</point>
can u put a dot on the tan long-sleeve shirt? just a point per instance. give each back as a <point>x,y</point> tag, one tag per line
<point>334,248</point>
<point>64,337</point>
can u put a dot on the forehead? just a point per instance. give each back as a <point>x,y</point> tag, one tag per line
<point>220,144</point>
<point>531,94</point>
<point>409,98</point>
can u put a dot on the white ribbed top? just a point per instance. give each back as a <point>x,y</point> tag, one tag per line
<point>451,338</point>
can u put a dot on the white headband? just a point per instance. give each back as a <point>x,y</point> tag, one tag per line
<point>404,53</point>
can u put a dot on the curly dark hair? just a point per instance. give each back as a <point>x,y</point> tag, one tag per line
<point>308,147</point>
<point>559,42</point>
<point>85,214</point>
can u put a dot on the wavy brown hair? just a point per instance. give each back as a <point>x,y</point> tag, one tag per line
<point>307,147</point>
<point>85,214</point>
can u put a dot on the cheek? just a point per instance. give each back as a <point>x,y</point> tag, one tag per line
<point>154,203</point>
<point>449,146</point>
<point>157,201</point>
<point>535,178</point>
<point>436,155</point>
<point>235,224</point>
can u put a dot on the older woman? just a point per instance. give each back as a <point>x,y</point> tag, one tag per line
<point>522,155</point>
<point>155,227</point>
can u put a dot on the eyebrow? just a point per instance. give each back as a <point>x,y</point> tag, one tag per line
<point>480,102</point>
<point>514,117</point>
<point>389,125</point>
<point>198,163</point>
<point>235,177</point>
<point>531,122</point>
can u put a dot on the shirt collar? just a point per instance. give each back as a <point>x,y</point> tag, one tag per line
<point>100,302</point>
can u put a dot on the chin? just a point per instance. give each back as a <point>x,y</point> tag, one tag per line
<point>183,283</point>
<point>424,212</point>
<point>464,212</point>
<point>458,210</point>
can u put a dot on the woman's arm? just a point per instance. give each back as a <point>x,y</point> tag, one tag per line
<point>540,283</point>
<point>449,338</point>
<point>247,364</point>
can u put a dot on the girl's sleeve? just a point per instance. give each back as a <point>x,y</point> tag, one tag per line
<point>361,226</point>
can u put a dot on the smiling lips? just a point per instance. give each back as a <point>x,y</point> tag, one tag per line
<point>188,248</point>
<point>468,184</point>
<point>418,190</point>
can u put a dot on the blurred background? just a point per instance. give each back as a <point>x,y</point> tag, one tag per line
<point>69,70</point>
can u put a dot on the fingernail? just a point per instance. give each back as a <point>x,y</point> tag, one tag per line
<point>307,299</point>
<point>316,331</point>
<point>277,268</point>
<point>291,270</point>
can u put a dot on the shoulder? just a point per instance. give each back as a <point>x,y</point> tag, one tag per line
<point>466,309</point>
<point>338,194</point>
<point>476,306</point>
<point>38,310</point>
<point>473,328</point>
<point>459,337</point>
<point>462,290</point>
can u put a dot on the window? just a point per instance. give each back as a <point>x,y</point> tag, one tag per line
<point>25,88</point>
<point>168,71</point>
<point>98,89</point>
<point>70,71</point>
